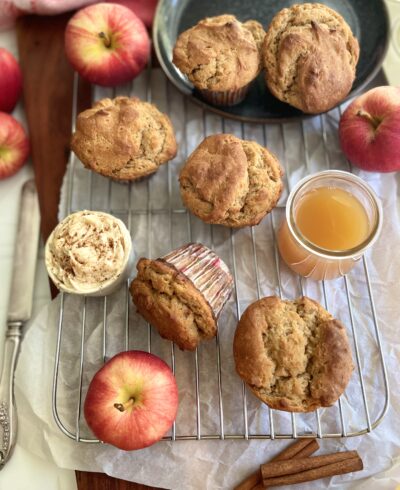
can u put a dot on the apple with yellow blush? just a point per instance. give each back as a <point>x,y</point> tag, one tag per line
<point>14,145</point>
<point>107,44</point>
<point>132,400</point>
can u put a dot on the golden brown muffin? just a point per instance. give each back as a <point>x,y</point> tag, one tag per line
<point>183,293</point>
<point>310,57</point>
<point>293,355</point>
<point>231,182</point>
<point>123,138</point>
<point>220,54</point>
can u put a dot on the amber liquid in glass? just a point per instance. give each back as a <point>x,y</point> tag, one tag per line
<point>332,218</point>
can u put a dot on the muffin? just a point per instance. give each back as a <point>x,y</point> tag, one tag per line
<point>293,355</point>
<point>123,138</point>
<point>231,182</point>
<point>221,57</point>
<point>89,253</point>
<point>310,57</point>
<point>183,293</point>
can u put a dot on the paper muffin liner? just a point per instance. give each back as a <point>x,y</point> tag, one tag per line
<point>209,274</point>
<point>227,98</point>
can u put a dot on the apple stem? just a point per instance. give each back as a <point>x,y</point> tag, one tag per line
<point>123,406</point>
<point>375,121</point>
<point>106,39</point>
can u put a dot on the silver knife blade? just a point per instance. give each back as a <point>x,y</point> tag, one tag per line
<point>26,247</point>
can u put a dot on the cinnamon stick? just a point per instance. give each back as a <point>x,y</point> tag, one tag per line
<point>279,468</point>
<point>301,448</point>
<point>304,452</point>
<point>250,482</point>
<point>338,468</point>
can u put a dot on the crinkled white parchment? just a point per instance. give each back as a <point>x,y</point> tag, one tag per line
<point>215,464</point>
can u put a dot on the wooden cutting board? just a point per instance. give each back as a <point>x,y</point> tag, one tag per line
<point>48,80</point>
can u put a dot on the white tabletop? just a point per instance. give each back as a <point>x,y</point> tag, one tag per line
<point>25,470</point>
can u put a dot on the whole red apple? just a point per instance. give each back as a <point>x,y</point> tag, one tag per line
<point>14,145</point>
<point>369,130</point>
<point>132,400</point>
<point>10,81</point>
<point>107,44</point>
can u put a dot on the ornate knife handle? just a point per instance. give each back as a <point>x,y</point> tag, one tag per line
<point>8,414</point>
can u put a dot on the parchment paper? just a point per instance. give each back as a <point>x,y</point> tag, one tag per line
<point>214,464</point>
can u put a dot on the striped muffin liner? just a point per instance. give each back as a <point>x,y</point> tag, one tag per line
<point>209,274</point>
<point>227,98</point>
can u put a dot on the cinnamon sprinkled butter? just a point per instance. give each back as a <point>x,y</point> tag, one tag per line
<point>90,253</point>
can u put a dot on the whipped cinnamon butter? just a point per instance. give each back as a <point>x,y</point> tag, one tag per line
<point>89,252</point>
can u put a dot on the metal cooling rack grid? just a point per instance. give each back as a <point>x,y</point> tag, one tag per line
<point>270,424</point>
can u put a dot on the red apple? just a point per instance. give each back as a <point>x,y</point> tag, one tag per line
<point>107,44</point>
<point>14,145</point>
<point>10,81</point>
<point>369,130</point>
<point>132,400</point>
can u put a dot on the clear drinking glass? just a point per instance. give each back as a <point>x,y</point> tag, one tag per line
<point>306,258</point>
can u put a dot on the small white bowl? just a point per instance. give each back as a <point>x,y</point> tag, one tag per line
<point>108,286</point>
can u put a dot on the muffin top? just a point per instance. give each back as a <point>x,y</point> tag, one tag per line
<point>310,57</point>
<point>183,293</point>
<point>168,300</point>
<point>230,181</point>
<point>123,138</point>
<point>220,53</point>
<point>293,354</point>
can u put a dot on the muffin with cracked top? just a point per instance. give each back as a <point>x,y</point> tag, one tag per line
<point>123,138</point>
<point>221,56</point>
<point>231,182</point>
<point>310,57</point>
<point>293,355</point>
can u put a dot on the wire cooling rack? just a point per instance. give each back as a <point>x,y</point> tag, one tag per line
<point>214,402</point>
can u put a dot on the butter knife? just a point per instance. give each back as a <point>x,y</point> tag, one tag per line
<point>19,311</point>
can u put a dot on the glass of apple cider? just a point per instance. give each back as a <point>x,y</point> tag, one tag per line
<point>332,218</point>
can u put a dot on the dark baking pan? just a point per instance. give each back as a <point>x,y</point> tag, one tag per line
<point>368,20</point>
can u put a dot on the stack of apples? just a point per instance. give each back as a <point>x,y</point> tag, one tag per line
<point>14,144</point>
